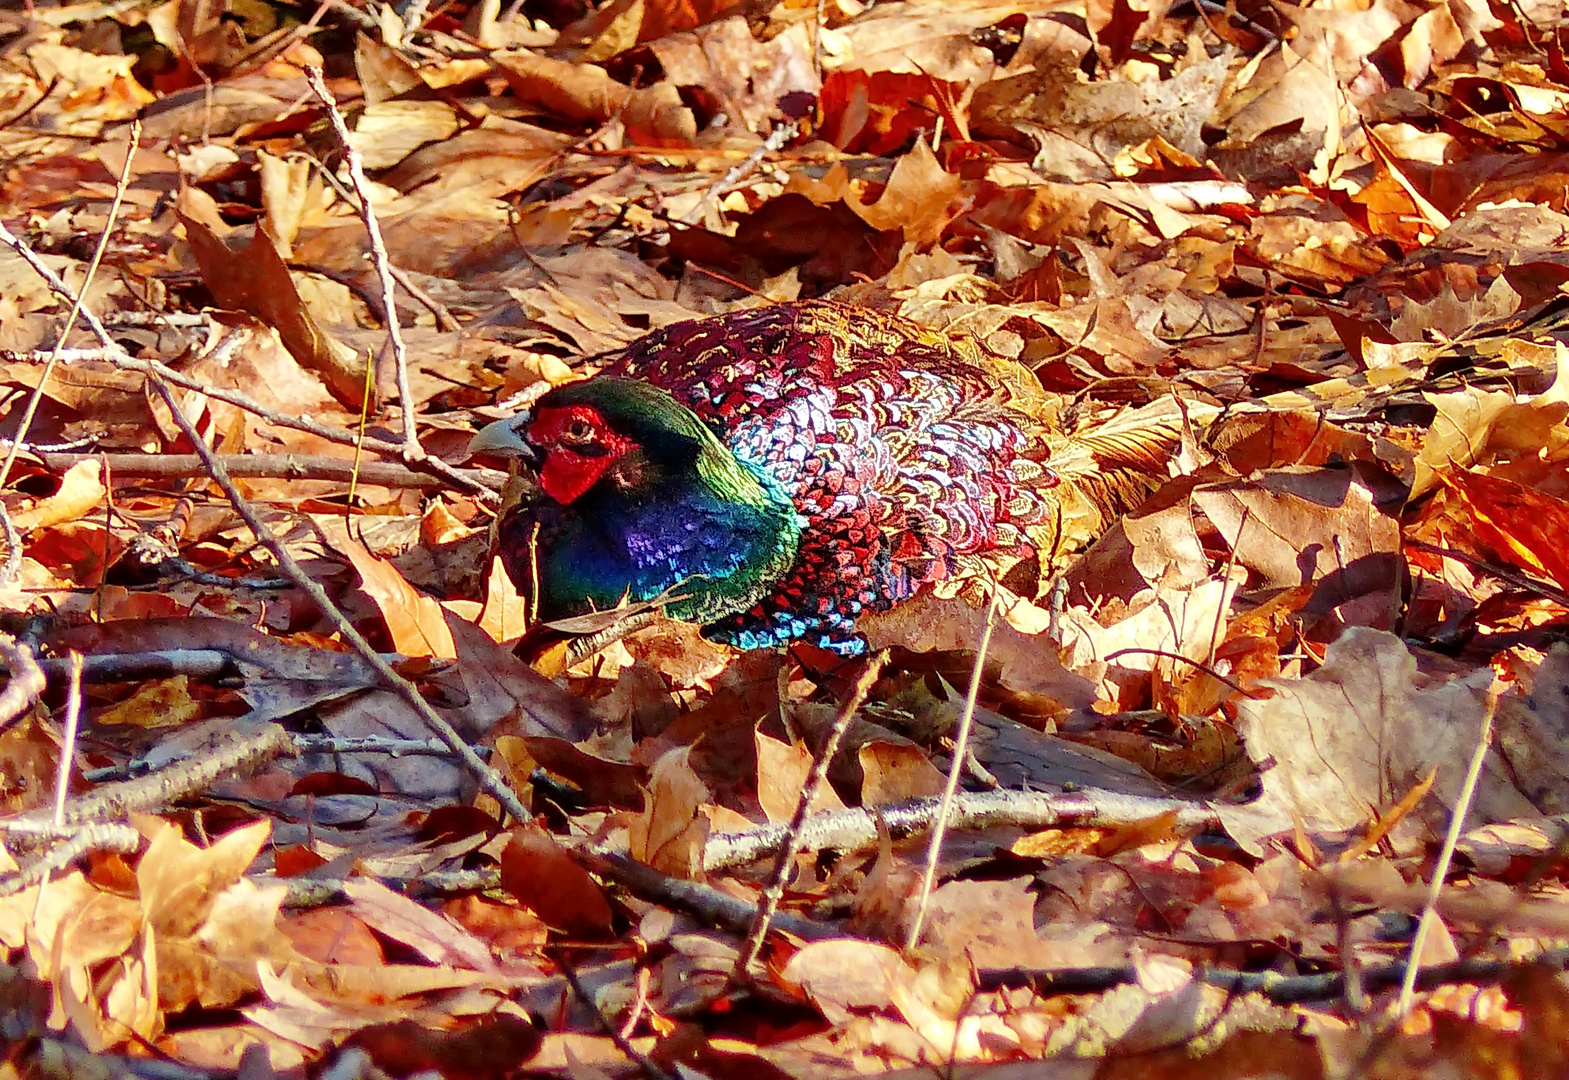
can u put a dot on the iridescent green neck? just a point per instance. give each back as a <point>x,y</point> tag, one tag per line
<point>682,515</point>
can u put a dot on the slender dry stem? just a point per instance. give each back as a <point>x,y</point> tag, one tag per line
<point>961,747</point>
<point>73,714</point>
<point>1484,739</point>
<point>76,304</point>
<point>412,451</point>
<point>26,683</point>
<point>768,905</point>
<point>489,779</point>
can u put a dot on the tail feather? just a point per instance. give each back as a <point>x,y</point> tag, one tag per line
<point>1110,465</point>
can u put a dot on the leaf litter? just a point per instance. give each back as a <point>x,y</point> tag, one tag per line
<point>1215,767</point>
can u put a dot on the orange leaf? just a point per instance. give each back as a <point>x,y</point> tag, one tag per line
<point>416,621</point>
<point>1527,527</point>
<point>81,489</point>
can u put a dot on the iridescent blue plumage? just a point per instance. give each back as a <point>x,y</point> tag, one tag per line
<point>613,545</point>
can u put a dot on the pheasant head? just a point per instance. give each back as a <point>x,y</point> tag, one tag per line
<point>638,499</point>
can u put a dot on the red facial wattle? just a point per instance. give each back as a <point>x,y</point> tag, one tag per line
<point>579,448</point>
<point>567,476</point>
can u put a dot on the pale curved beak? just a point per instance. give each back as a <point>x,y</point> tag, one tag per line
<point>503,439</point>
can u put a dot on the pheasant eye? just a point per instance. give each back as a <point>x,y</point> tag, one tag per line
<point>578,431</point>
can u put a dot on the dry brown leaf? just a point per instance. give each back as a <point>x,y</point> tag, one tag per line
<point>545,878</point>
<point>397,917</point>
<point>895,772</point>
<point>164,703</point>
<point>256,281</point>
<point>918,198</point>
<point>843,976</point>
<point>781,778</point>
<point>505,614</point>
<point>1358,733</point>
<point>416,622</point>
<point>585,92</point>
<point>1527,527</point>
<point>669,835</point>
<point>81,491</point>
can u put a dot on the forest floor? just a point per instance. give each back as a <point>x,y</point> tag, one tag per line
<point>1272,785</point>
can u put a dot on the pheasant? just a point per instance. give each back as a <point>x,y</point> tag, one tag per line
<point>772,474</point>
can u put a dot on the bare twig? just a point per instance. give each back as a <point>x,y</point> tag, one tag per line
<point>856,829</point>
<point>704,902</point>
<point>76,304</point>
<point>270,466</point>
<point>641,1060</point>
<point>13,548</point>
<point>377,744</point>
<point>309,744</point>
<point>412,450</point>
<point>114,354</point>
<point>1484,740</point>
<point>26,683</point>
<point>112,802</point>
<point>73,713</point>
<point>488,778</point>
<point>815,778</point>
<point>1271,985</point>
<point>781,134</point>
<point>961,747</point>
<point>76,842</point>
<point>1165,654</point>
<point>444,317</point>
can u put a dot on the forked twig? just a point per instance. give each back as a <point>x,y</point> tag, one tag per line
<point>488,778</point>
<point>268,466</point>
<point>649,1067</point>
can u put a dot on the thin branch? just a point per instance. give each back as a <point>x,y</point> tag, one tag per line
<point>1271,985</point>
<point>1505,573</point>
<point>1164,654</point>
<point>1484,741</point>
<point>787,130</point>
<point>704,902</point>
<point>112,802</point>
<point>488,778</point>
<point>76,842</point>
<point>73,714</point>
<point>76,304</point>
<point>641,1060</point>
<point>412,451</point>
<point>270,466</point>
<point>445,320</point>
<point>112,353</point>
<point>815,778</point>
<point>856,829</point>
<point>961,747</point>
<point>26,683</point>
<point>13,548</point>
